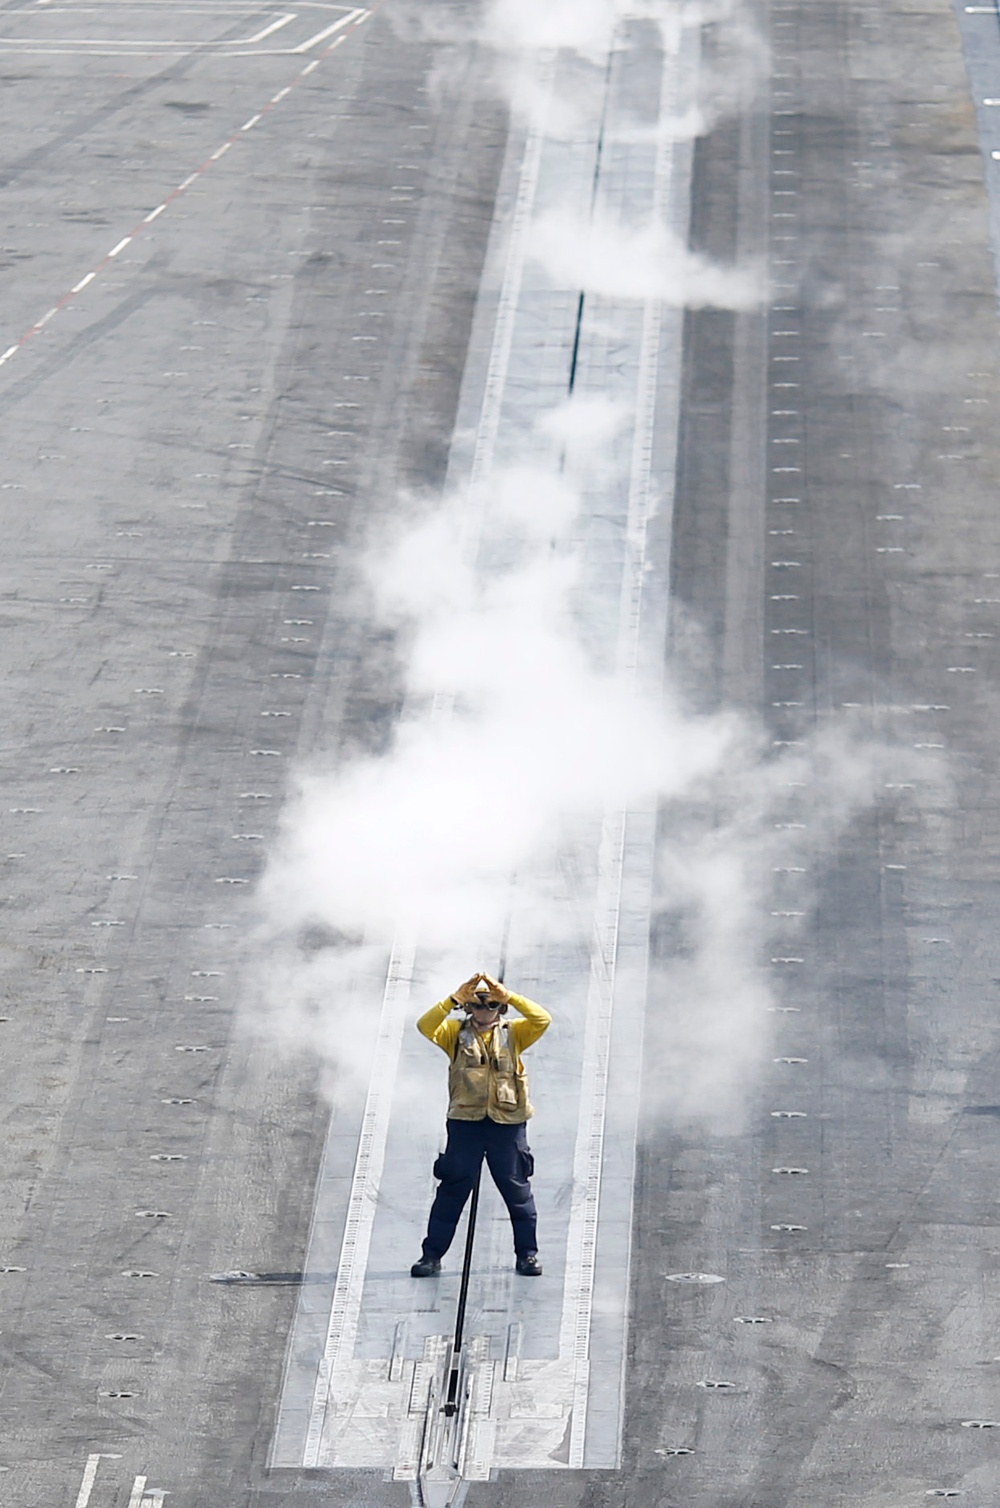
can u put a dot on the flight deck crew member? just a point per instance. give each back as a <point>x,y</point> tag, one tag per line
<point>487,1112</point>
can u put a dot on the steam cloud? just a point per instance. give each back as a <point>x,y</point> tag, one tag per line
<point>622,261</point>
<point>516,735</point>
<point>513,743</point>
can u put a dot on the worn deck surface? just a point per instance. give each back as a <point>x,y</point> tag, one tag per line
<point>247,305</point>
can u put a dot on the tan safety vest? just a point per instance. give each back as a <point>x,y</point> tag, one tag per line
<point>487,1079</point>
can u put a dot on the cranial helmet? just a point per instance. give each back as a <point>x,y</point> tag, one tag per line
<point>482,993</point>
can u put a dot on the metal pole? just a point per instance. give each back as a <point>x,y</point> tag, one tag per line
<point>451,1400</point>
<point>451,1397</point>
<point>501,970</point>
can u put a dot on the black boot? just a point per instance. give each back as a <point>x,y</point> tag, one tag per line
<point>529,1266</point>
<point>427,1267</point>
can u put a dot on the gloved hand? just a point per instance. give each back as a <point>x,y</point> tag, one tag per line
<point>497,990</point>
<point>466,993</point>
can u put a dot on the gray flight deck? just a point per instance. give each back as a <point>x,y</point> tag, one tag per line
<point>267,275</point>
<point>561,1342</point>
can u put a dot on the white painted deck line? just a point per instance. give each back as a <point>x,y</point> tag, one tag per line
<point>342,1326</point>
<point>87,1484</point>
<point>507,306</point>
<point>112,46</point>
<point>582,1241</point>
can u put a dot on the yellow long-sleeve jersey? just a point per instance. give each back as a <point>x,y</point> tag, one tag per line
<point>442,1028</point>
<point>486,1077</point>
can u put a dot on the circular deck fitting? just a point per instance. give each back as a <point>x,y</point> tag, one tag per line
<point>693,1277</point>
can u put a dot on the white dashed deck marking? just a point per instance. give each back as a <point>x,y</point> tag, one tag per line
<point>345,26</point>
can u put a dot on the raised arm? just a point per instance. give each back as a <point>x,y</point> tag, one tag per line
<point>435,1024</point>
<point>535,1020</point>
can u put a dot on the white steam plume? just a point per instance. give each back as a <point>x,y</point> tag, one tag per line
<point>512,746</point>
<point>533,738</point>
<point>522,726</point>
<point>729,856</point>
<point>644,262</point>
<point>521,32</point>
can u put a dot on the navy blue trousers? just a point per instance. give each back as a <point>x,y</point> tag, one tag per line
<point>511,1165</point>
